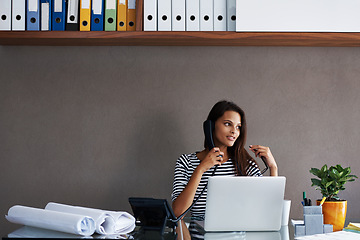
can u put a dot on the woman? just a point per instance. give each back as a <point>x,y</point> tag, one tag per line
<point>192,170</point>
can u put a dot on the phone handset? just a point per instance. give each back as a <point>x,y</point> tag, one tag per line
<point>209,127</point>
<point>266,165</point>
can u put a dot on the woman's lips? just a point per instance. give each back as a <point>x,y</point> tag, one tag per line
<point>231,138</point>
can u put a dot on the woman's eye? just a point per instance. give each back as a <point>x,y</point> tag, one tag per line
<point>227,124</point>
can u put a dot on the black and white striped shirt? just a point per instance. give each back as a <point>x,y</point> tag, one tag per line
<point>185,167</point>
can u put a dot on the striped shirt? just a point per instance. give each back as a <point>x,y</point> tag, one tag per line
<point>185,167</point>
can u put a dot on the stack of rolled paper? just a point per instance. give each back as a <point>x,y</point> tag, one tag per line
<point>73,219</point>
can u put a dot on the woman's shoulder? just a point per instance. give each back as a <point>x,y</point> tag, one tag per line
<point>253,168</point>
<point>188,156</point>
<point>252,162</point>
<point>188,159</point>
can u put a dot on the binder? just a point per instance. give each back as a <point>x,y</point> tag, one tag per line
<point>85,13</point>
<point>220,15</point>
<point>5,15</point>
<point>45,19</point>
<point>110,15</point>
<point>72,18</point>
<point>58,15</point>
<point>121,15</point>
<point>131,15</point>
<point>18,15</point>
<point>231,15</point>
<point>206,15</point>
<point>97,15</point>
<point>192,15</point>
<point>164,15</point>
<point>33,15</point>
<point>150,15</point>
<point>178,15</point>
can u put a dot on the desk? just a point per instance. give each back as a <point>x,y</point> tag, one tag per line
<point>286,233</point>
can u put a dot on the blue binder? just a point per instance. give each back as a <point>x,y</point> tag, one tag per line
<point>97,15</point>
<point>45,22</point>
<point>58,15</point>
<point>33,15</point>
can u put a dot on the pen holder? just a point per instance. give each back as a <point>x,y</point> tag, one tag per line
<point>313,222</point>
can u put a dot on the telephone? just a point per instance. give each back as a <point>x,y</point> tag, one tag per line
<point>209,127</point>
<point>153,214</point>
<point>208,131</point>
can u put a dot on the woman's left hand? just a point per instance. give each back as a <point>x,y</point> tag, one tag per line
<point>262,151</point>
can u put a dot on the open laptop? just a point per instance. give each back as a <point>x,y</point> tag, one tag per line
<point>244,204</point>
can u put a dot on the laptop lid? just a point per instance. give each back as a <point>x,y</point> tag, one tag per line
<point>244,203</point>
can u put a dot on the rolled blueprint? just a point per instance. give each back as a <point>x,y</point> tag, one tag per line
<point>52,220</point>
<point>106,222</point>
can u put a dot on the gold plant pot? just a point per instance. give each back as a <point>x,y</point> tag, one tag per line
<point>334,213</point>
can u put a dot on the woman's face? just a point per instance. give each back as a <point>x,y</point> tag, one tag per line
<point>227,129</point>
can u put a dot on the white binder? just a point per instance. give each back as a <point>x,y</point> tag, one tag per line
<point>18,15</point>
<point>164,15</point>
<point>231,15</point>
<point>150,15</point>
<point>178,15</point>
<point>220,15</point>
<point>5,15</point>
<point>72,18</point>
<point>192,15</point>
<point>206,15</point>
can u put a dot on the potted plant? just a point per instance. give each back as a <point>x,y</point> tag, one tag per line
<point>331,181</point>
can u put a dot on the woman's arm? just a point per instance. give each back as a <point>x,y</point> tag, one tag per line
<point>262,151</point>
<point>186,197</point>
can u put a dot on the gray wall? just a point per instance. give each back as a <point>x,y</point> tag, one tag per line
<point>92,126</point>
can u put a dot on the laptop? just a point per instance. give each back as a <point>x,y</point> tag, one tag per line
<point>244,204</point>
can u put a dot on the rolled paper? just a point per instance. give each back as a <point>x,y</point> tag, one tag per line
<point>106,222</point>
<point>52,220</point>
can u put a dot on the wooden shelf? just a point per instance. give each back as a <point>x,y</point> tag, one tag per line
<point>141,38</point>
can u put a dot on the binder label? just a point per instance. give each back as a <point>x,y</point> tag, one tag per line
<point>72,8</point>
<point>33,5</point>
<point>58,5</point>
<point>45,14</point>
<point>111,4</point>
<point>131,4</point>
<point>85,4</point>
<point>97,6</point>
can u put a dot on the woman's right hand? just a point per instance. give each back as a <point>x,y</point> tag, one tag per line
<point>212,158</point>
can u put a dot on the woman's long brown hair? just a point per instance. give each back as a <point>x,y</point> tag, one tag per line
<point>237,152</point>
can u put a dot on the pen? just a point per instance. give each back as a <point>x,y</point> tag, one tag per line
<point>306,201</point>
<point>322,201</point>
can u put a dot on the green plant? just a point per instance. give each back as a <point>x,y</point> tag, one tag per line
<point>331,180</point>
